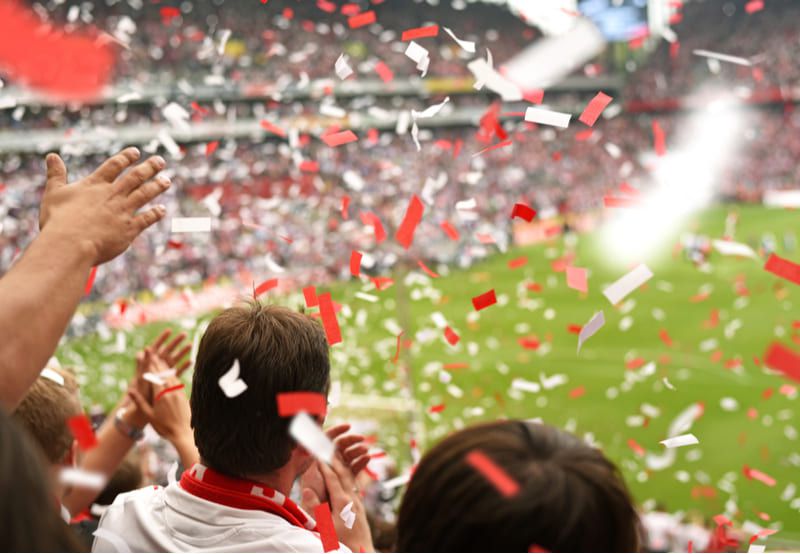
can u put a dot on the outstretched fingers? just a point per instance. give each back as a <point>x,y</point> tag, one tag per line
<point>113,166</point>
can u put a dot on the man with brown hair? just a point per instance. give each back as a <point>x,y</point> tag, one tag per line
<point>237,498</point>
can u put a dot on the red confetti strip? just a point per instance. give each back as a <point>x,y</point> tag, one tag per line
<point>309,166</point>
<point>420,32</point>
<point>269,284</point>
<point>397,349</point>
<point>493,147</point>
<point>484,300</point>
<point>636,447</point>
<point>659,141</point>
<point>290,403</point>
<point>535,96</point>
<point>337,139</point>
<point>529,343</point>
<point>329,321</point>
<point>439,408</point>
<point>81,429</point>
<point>665,338</point>
<point>428,271</point>
<point>595,108</point>
<point>272,128</point>
<point>361,19</point>
<point>327,532</point>
<point>211,147</point>
<point>454,366</point>
<point>369,218</point>
<point>493,473</point>
<point>44,56</point>
<point>382,283</point>
<point>310,295</point>
<point>523,211</point>
<point>169,13</point>
<point>345,206</point>
<point>451,336</point>
<point>355,263</point>
<point>518,262</point>
<point>574,329</point>
<point>577,278</point>
<point>577,392</point>
<point>761,534</point>
<point>780,358</point>
<point>90,281</point>
<point>384,72</point>
<point>405,234</point>
<point>449,230</point>
<point>167,390</point>
<point>783,268</point>
<point>751,474</point>
<point>754,6</point>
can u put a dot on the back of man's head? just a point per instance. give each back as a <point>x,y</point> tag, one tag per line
<point>278,350</point>
<point>43,413</point>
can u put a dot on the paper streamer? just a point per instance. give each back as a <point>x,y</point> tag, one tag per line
<point>628,283</point>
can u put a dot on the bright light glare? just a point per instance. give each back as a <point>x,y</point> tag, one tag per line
<point>683,183</point>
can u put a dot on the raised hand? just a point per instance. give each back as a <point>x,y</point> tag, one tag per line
<point>173,354</point>
<point>99,212</point>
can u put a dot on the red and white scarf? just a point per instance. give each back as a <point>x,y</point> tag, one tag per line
<point>205,483</point>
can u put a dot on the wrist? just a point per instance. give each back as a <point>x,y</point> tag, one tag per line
<point>126,427</point>
<point>84,249</point>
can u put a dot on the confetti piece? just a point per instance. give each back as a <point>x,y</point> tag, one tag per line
<point>451,336</point>
<point>342,68</point>
<point>428,271</point>
<point>665,338</point>
<point>337,139</point>
<point>362,19</point>
<point>168,390</point>
<point>211,147</point>
<point>636,447</point>
<point>397,348</point>
<point>329,321</point>
<point>594,109</point>
<point>761,534</point>
<point>272,128</point>
<point>722,57</point>
<point>348,515</point>
<point>682,440</point>
<point>780,358</point>
<point>310,296</point>
<point>518,262</point>
<point>783,268</point>
<point>659,140</point>
<point>292,403</point>
<point>369,218</point>
<point>305,430</point>
<point>230,383</point>
<point>751,474</point>
<point>384,72</point>
<point>405,233</point>
<point>90,281</point>
<point>531,343</point>
<point>437,409</point>
<point>345,206</point>
<point>74,477</point>
<point>420,32</point>
<point>493,473</point>
<point>44,56</point>
<point>355,263</point>
<point>730,248</point>
<point>191,224</point>
<point>487,76</point>
<point>492,147</point>
<point>576,278</point>
<point>523,211</point>
<point>588,330</point>
<point>547,117</point>
<point>754,6</point>
<point>466,45</point>
<point>484,300</point>
<point>419,55</point>
<point>269,284</point>
<point>449,230</point>
<point>81,429</point>
<point>52,375</point>
<point>627,284</point>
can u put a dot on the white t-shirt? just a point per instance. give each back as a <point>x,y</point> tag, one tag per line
<point>156,519</point>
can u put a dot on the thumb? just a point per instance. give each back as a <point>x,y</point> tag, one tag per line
<point>56,171</point>
<point>309,500</point>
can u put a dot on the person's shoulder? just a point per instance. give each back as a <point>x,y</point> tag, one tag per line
<point>289,539</point>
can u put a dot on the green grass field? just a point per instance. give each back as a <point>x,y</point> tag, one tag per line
<point>760,432</point>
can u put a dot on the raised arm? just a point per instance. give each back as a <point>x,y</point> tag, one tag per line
<point>84,224</point>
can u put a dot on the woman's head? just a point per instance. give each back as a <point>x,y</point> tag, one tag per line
<point>571,498</point>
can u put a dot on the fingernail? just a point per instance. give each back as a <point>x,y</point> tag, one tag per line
<point>164,180</point>
<point>134,151</point>
<point>159,161</point>
<point>161,208</point>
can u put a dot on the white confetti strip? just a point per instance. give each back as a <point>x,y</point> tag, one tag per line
<point>594,325</point>
<point>348,515</point>
<point>74,477</point>
<point>525,386</point>
<point>729,248</point>
<point>419,55</point>
<point>176,115</point>
<point>682,440</point>
<point>466,45</point>
<point>54,376</point>
<point>484,73</point>
<point>191,224</point>
<point>722,57</point>
<point>311,436</point>
<point>343,69</point>
<point>628,283</point>
<point>547,117</point>
<point>230,383</point>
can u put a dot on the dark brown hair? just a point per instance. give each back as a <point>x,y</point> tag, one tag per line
<point>29,508</point>
<point>44,413</point>
<point>126,478</point>
<point>279,350</point>
<point>571,498</point>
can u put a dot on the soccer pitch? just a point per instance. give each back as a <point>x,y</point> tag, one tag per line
<point>607,392</point>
